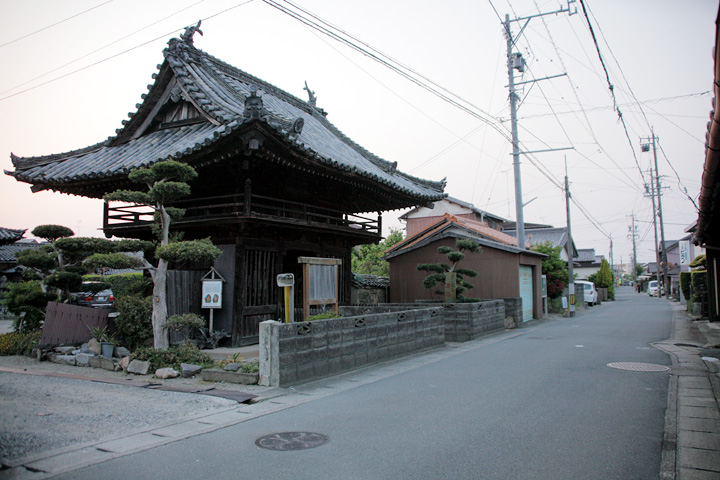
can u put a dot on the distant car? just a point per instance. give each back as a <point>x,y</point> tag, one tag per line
<point>590,294</point>
<point>90,296</point>
<point>653,288</point>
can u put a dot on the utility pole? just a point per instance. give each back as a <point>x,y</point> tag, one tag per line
<point>657,254</point>
<point>515,61</point>
<point>569,248</point>
<point>658,214</point>
<point>633,234</point>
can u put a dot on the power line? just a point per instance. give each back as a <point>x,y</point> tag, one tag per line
<point>98,49</point>
<point>55,24</point>
<point>165,35</point>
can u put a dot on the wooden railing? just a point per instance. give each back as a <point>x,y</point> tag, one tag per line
<point>226,208</point>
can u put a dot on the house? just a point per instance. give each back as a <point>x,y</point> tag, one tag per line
<point>679,255</point>
<point>556,236</point>
<point>503,269</point>
<point>276,181</point>
<point>586,263</point>
<point>419,218</point>
<point>707,234</point>
<point>11,242</point>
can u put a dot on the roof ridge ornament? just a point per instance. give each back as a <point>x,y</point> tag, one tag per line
<point>190,30</point>
<point>254,107</point>
<point>312,100</point>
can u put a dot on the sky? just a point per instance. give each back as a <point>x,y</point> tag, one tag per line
<point>73,70</point>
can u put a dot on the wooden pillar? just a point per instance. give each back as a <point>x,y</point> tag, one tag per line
<point>247,194</point>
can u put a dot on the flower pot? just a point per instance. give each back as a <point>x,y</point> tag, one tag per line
<point>106,349</point>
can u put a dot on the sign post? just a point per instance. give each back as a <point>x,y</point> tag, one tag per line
<point>287,280</point>
<point>212,284</point>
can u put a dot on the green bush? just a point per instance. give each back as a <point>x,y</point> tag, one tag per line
<point>134,283</point>
<point>184,322</point>
<point>27,302</point>
<point>699,284</point>
<point>15,343</point>
<point>685,279</point>
<point>322,316</point>
<point>134,324</point>
<point>173,356</point>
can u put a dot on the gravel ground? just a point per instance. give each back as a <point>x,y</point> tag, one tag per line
<point>43,413</point>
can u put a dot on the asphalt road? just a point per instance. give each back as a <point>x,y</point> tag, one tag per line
<point>539,405</point>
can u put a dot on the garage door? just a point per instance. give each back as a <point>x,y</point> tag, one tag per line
<point>526,292</point>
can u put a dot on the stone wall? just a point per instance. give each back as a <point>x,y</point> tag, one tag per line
<point>302,351</point>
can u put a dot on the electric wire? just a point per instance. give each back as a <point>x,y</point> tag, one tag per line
<point>165,35</point>
<point>98,49</point>
<point>55,24</point>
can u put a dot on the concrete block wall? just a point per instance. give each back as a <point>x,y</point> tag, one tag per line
<point>300,351</point>
<point>468,321</point>
<point>513,308</point>
<point>463,321</point>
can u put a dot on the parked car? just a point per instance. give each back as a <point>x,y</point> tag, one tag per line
<point>93,294</point>
<point>590,294</point>
<point>654,288</point>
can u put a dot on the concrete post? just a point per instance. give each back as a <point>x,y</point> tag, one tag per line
<point>269,353</point>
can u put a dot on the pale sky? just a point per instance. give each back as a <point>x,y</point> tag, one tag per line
<point>657,52</point>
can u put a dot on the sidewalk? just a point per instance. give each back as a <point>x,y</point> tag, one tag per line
<point>691,447</point>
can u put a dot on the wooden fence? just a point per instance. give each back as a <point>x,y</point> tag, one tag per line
<point>71,324</point>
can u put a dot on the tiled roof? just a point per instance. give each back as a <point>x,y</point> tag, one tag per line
<point>458,227</point>
<point>360,280</point>
<point>557,236</point>
<point>7,252</point>
<point>9,235</point>
<point>220,92</point>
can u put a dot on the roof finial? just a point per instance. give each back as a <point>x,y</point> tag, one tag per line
<point>187,36</point>
<point>313,99</point>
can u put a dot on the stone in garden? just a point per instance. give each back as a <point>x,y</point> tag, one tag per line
<point>65,359</point>
<point>84,348</point>
<point>122,352</point>
<point>83,359</point>
<point>190,370</point>
<point>139,367</point>
<point>232,367</point>
<point>64,350</point>
<point>168,372</point>
<point>94,346</point>
<point>124,363</point>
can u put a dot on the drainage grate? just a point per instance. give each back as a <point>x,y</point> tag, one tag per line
<point>291,441</point>
<point>686,345</point>
<point>638,367</point>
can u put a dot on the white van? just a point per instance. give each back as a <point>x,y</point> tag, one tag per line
<point>590,292</point>
<point>653,288</point>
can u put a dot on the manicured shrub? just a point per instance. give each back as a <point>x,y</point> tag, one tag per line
<point>699,284</point>
<point>685,279</point>
<point>134,324</point>
<point>124,283</point>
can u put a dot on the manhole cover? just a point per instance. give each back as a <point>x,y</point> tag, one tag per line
<point>291,441</point>
<point>638,367</point>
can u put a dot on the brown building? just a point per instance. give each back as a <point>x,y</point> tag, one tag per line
<point>707,234</point>
<point>503,269</point>
<point>276,181</point>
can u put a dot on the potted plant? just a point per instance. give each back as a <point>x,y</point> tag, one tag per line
<point>107,341</point>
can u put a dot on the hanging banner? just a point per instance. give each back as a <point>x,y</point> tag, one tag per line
<point>684,252</point>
